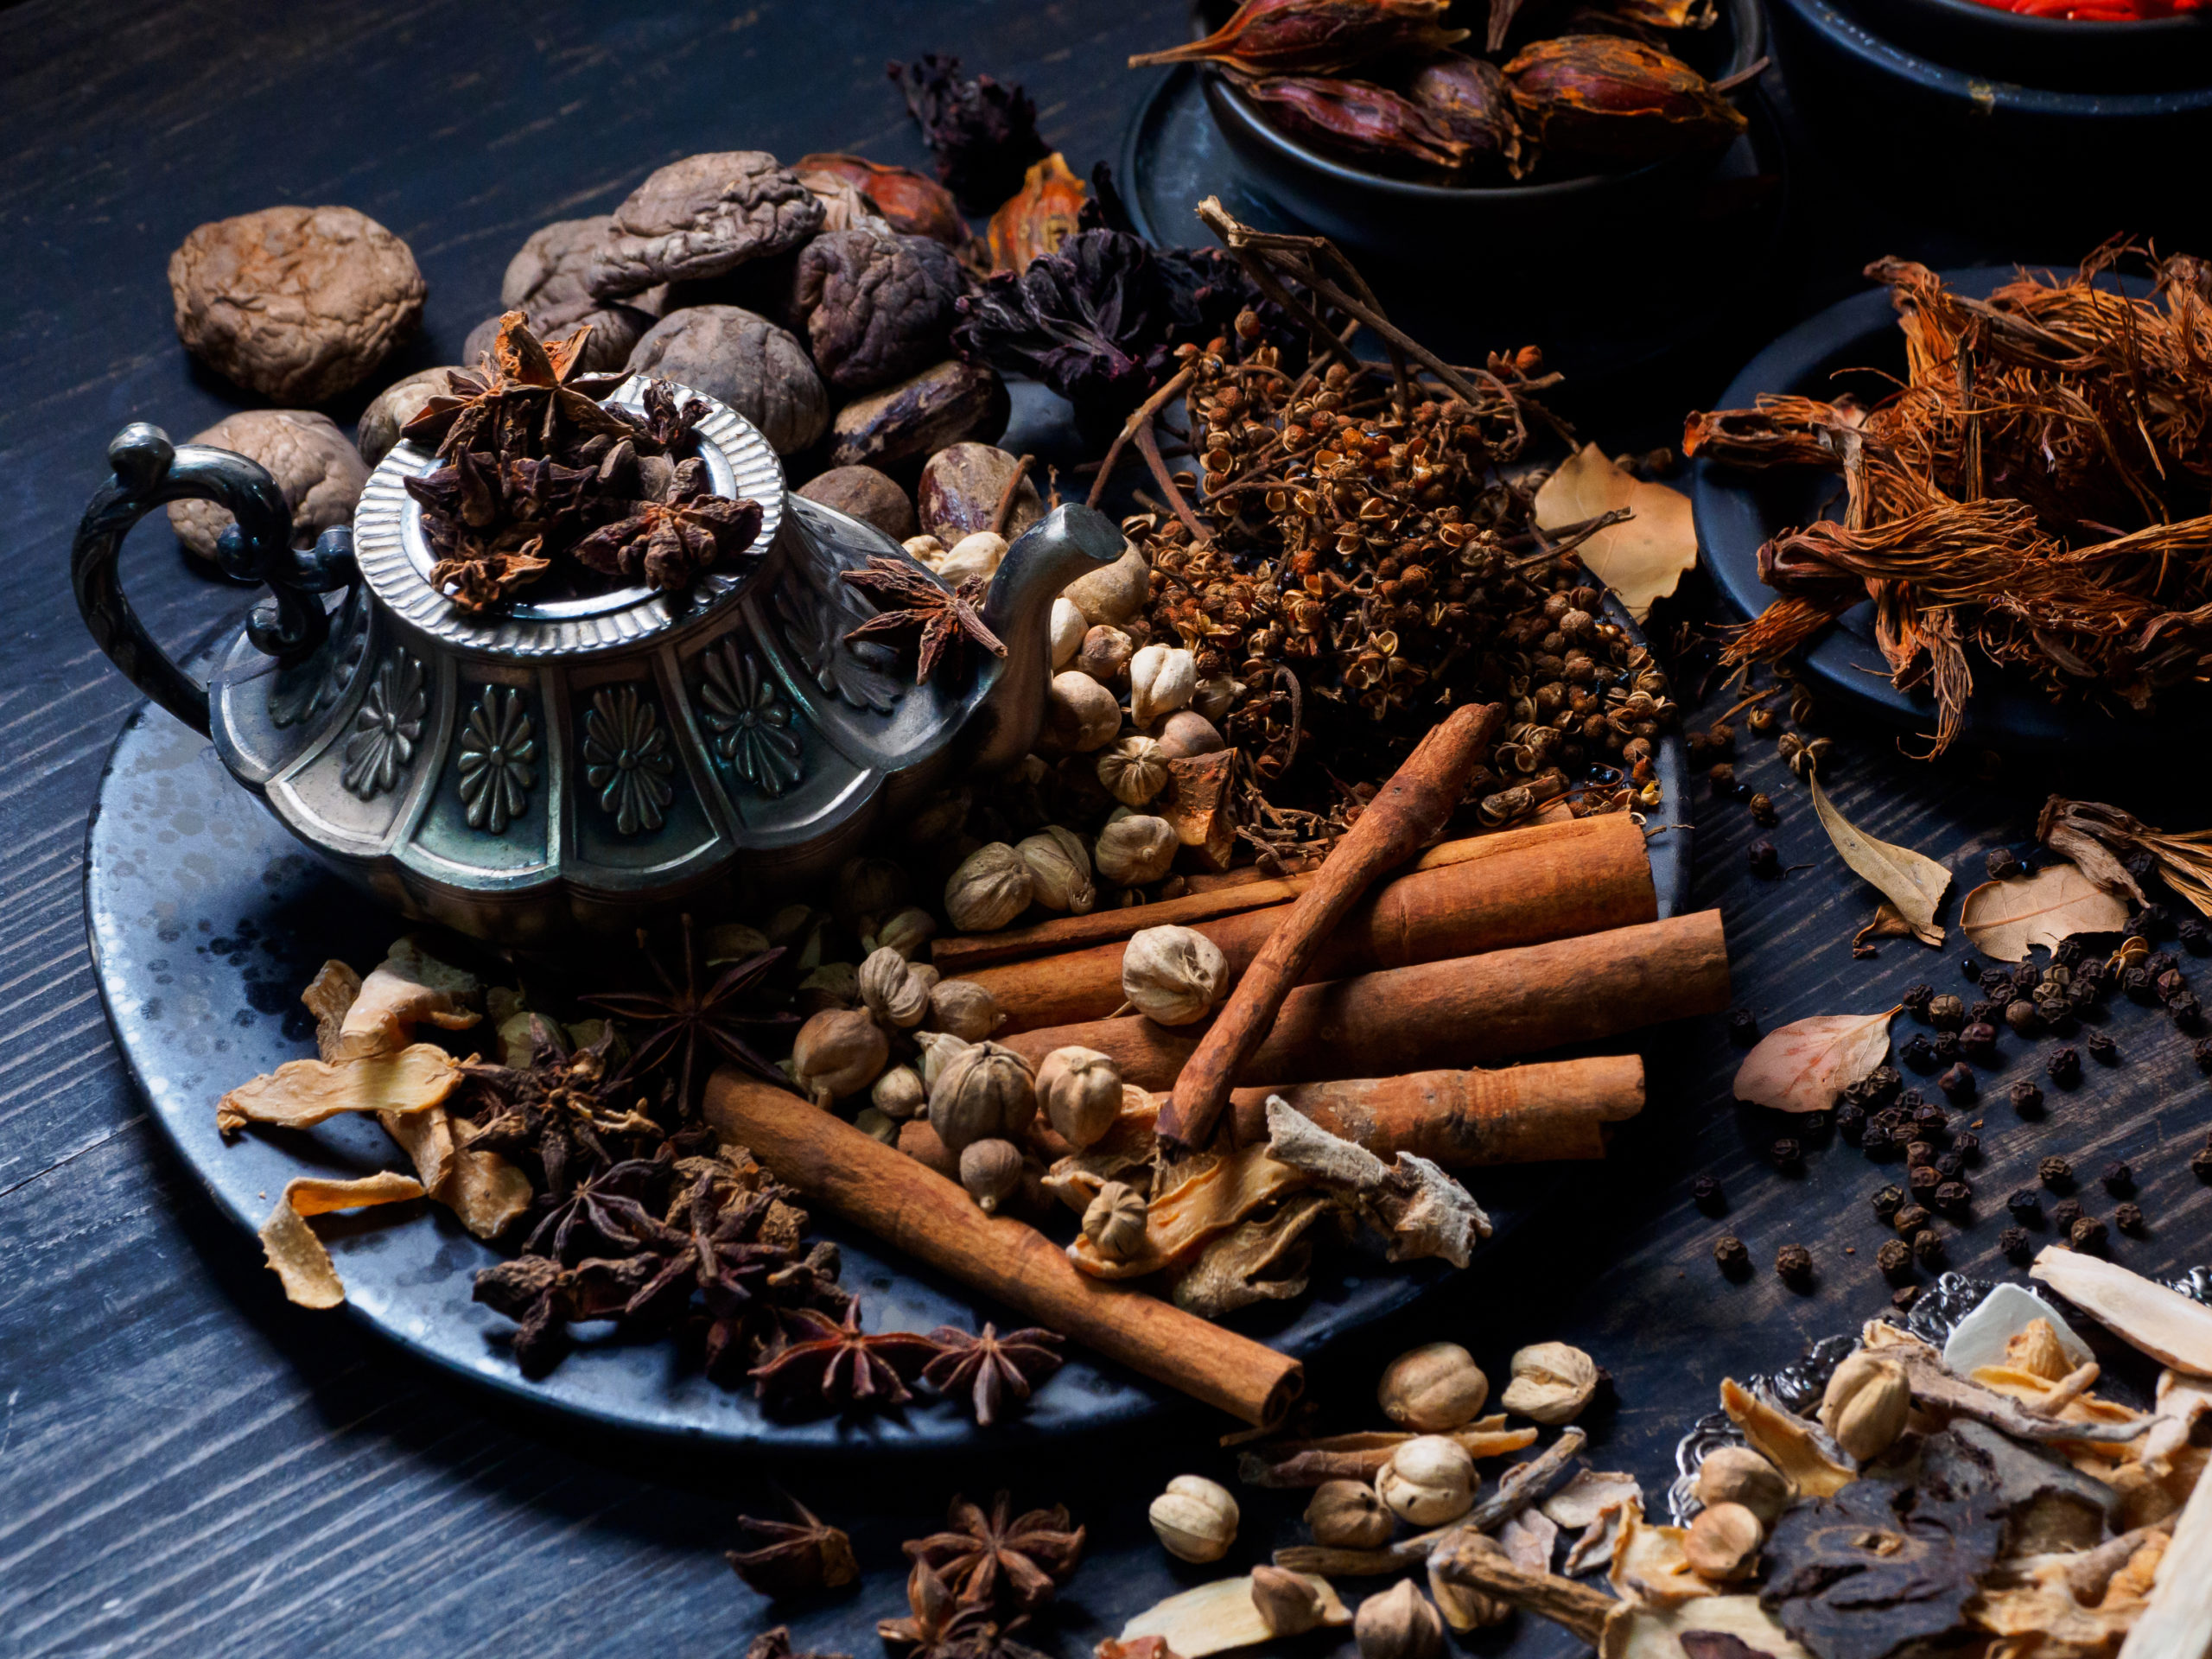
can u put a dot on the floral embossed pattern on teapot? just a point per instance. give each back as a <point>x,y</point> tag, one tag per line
<point>581,762</point>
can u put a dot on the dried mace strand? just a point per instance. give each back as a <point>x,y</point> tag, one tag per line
<point>994,1372</point>
<point>1351,115</point>
<point>800,1557</point>
<point>1314,37</point>
<point>1607,98</point>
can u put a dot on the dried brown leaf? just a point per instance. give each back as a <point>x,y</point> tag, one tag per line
<point>1642,559</point>
<point>296,1255</point>
<point>1912,881</point>
<point>2006,919</point>
<point>1804,1065</point>
<point>1889,923</point>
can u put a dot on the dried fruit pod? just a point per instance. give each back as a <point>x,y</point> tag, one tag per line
<point>1115,593</point>
<point>1037,218</point>
<point>1551,1384</point>
<point>1068,629</point>
<point>1463,1609</point>
<point>939,406</point>
<point>1161,680</point>
<point>1080,1092</point>
<point>990,888</point>
<point>1173,975</point>
<point>1469,99</point>
<point>965,1009</point>
<point>891,990</point>
<point>960,490</point>
<point>898,1093</point>
<point>1723,1542</point>
<point>1607,97</point>
<point>1186,734</point>
<point>1315,37</point>
<point>1736,1474</point>
<point>1433,1388</point>
<point>1399,1623</point>
<point>979,555</point>
<point>984,1092</point>
<point>991,1170</point>
<point>1134,771</point>
<point>1196,1519</point>
<point>839,1051</point>
<point>1865,1404</point>
<point>1114,1220</point>
<point>1289,1603</point>
<point>939,1049</point>
<point>1372,121</point>
<point>908,931</point>
<point>914,204</point>
<point>1429,1480</point>
<point>1347,1514</point>
<point>1080,715</point>
<point>1132,851</point>
<point>1059,869</point>
<point>1105,653</point>
<point>832,985</point>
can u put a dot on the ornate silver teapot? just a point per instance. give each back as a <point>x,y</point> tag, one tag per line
<point>580,763</point>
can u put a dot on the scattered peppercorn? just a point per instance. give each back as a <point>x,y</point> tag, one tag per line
<point>2195,937</point>
<point>1918,1052</point>
<point>1950,1166</point>
<point>1904,1137</point>
<point>1878,1089</point>
<point>1888,1201</point>
<point>1966,1146</point>
<point>1762,813</point>
<point>2137,985</point>
<point>2056,1174</point>
<point>1958,1082</point>
<point>2022,1017</point>
<point>1947,1048</point>
<point>2026,1204</point>
<point>1706,1193</point>
<point>2069,952</point>
<point>2102,1049</point>
<point>2201,1051</point>
<point>1984,1012</point>
<point>2087,1234</point>
<point>2118,1178</point>
<point>1979,1042</point>
<point>1786,1153</point>
<point>1911,1101</point>
<point>1743,1027</point>
<point>1731,1254</point>
<point>1919,1155</point>
<point>1722,776</point>
<point>1895,1258</point>
<point>2065,1213</point>
<point>2185,1010</point>
<point>1995,983</point>
<point>2003,863</point>
<point>1952,1197</point>
<point>2153,921</point>
<point>1851,1123</point>
<point>1927,1247</point>
<point>2027,1098</point>
<point>1970,968</point>
<point>2064,1067</point>
<point>1909,1220</point>
<point>2014,1241</point>
<point>2163,963</point>
<point>1766,861</point>
<point>1794,1262</point>
<point>1946,1012</point>
<point>1923,1179</point>
<point>1917,999</point>
<point>2128,1218</point>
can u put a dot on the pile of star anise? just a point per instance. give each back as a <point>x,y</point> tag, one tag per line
<point>543,487</point>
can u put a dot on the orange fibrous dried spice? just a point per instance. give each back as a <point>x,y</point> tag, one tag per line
<point>2034,489</point>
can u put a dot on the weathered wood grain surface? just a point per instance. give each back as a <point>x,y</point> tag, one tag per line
<point>187,1465</point>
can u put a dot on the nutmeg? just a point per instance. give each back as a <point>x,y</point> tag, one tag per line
<point>1104,654</point>
<point>1398,1623</point>
<point>1080,715</point>
<point>1433,1388</point>
<point>991,887</point>
<point>1429,1479</point>
<point>1196,1519</point>
<point>1723,1542</point>
<point>1162,679</point>
<point>984,1092</point>
<point>1134,770</point>
<point>1347,1514</point>
<point>1736,1474</point>
<point>1067,629</point>
<point>1289,1603</point>
<point>1865,1404</point>
<point>962,1008</point>
<point>1173,975</point>
<point>891,990</point>
<point>1551,1384</point>
<point>1115,1221</point>
<point>839,1051</point>
<point>1118,592</point>
<point>1080,1092</point>
<point>991,1170</point>
<point>1132,851</point>
<point>1059,869</point>
<point>1186,733</point>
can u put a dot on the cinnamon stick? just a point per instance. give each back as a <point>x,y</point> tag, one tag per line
<point>1411,809</point>
<point>1515,890</point>
<point>877,1188</point>
<point>1523,1115</point>
<point>1465,1011</point>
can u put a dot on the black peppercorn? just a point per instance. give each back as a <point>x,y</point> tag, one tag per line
<point>1889,1201</point>
<point>2199,1164</point>
<point>1743,1027</point>
<point>1984,1012</point>
<point>1919,1155</point>
<point>1909,1220</point>
<point>1958,1082</point>
<point>1786,1153</point>
<point>1904,1137</point>
<point>2081,997</point>
<point>1706,1193</point>
<point>2201,1051</point>
<point>2056,1174</point>
<point>1911,1101</point>
<point>2118,1178</point>
<point>1878,1089</point>
<point>1995,983</point>
<point>1731,1254</point>
<point>2065,1213</point>
<point>2087,1234</point>
<point>2064,1067</point>
<point>2003,863</point>
<point>2195,937</point>
<point>1966,1146</point>
<point>2128,1218</point>
<point>2137,985</point>
<point>1950,1166</point>
<point>1851,1123</point>
<point>2185,1010</point>
<point>2027,1098</point>
<point>1794,1262</point>
<point>2151,922</point>
<point>1762,813</point>
<point>1917,999</point>
<point>1952,1197</point>
<point>1918,1052</point>
<point>1722,776</point>
<point>1979,1042</point>
<point>1947,1048</point>
<point>2025,1206</point>
<point>1970,968</point>
<point>2163,963</point>
<point>2014,1241</point>
<point>1766,861</point>
<point>2102,1049</point>
<point>1923,1179</point>
<point>2022,1017</point>
<point>2025,978</point>
<point>1928,1246</point>
<point>1904,1297</point>
<point>1894,1258</point>
<point>1946,1012</point>
<point>2069,952</point>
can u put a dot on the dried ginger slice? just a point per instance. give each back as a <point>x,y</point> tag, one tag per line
<point>409,987</point>
<point>1217,1197</point>
<point>329,995</point>
<point>485,1192</point>
<point>296,1255</point>
<point>1789,1443</point>
<point>1650,1565</point>
<point>300,1093</point>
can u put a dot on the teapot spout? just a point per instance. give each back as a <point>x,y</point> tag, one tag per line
<point>1003,724</point>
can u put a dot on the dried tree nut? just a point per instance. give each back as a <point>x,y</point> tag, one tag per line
<point>1080,1092</point>
<point>991,887</point>
<point>1428,1481</point>
<point>318,470</point>
<point>962,1008</point>
<point>877,307</point>
<point>1552,1382</point>
<point>1290,1603</point>
<point>1724,1541</point>
<point>1433,1388</point>
<point>864,493</point>
<point>700,217</point>
<point>1347,1514</point>
<point>961,487</point>
<point>839,1051</point>
<point>898,1094</point>
<point>1114,595</point>
<point>1185,734</point>
<point>891,990</point>
<point>1133,851</point>
<point>1736,1474</point>
<point>976,554</point>
<point>1173,975</point>
<point>1399,1623</point>
<point>1865,1404</point>
<point>740,358</point>
<point>983,1093</point>
<point>1080,713</point>
<point>1067,631</point>
<point>377,433</point>
<point>1060,870</point>
<point>1196,1519</point>
<point>1105,652</point>
<point>1115,1221</point>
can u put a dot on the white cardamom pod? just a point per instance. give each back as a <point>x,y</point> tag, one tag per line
<point>990,888</point>
<point>1161,680</point>
<point>889,989</point>
<point>991,1170</point>
<point>908,931</point>
<point>898,1093</point>
<point>965,1009</point>
<point>1134,770</point>
<point>1133,850</point>
<point>1060,868</point>
<point>1068,629</point>
<point>939,1049</point>
<point>971,555</point>
<point>985,1092</point>
<point>1080,1090</point>
<point>839,1051</point>
<point>1173,975</point>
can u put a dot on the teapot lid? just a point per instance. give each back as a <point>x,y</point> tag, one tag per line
<point>395,557</point>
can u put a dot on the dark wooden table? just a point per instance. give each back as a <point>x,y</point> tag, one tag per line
<point>187,1465</point>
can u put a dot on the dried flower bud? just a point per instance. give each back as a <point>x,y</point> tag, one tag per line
<point>1059,870</point>
<point>839,1051</point>
<point>1134,770</point>
<point>1430,1479</point>
<point>1399,1623</point>
<point>984,1092</point>
<point>1115,1221</point>
<point>1132,851</point>
<point>1196,1519</point>
<point>898,1093</point>
<point>991,1170</point>
<point>1289,1603</point>
<point>1080,715</point>
<point>1173,975</point>
<point>891,990</point>
<point>1347,1514</point>
<point>1723,1542</point>
<point>1080,1092</point>
<point>990,888</point>
<point>1551,1384</point>
<point>1465,1609</point>
<point>971,555</point>
<point>1433,1388</point>
<point>1866,1404</point>
<point>962,1008</point>
<point>908,931</point>
<point>1736,1474</point>
<point>1104,653</point>
<point>1162,678</point>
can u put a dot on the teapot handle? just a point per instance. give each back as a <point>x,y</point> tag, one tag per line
<point>150,472</point>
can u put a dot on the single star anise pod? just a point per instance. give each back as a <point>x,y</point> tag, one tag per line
<point>937,1626</point>
<point>667,544</point>
<point>824,1363</point>
<point>678,1020</point>
<point>602,1214</point>
<point>515,377</point>
<point>947,618</point>
<point>799,1556</point>
<point>560,1109</point>
<point>777,1644</point>
<point>986,1558</point>
<point>993,1370</point>
<point>668,426</point>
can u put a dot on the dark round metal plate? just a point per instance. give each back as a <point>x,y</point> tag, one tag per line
<point>1855,345</point>
<point>206,918</point>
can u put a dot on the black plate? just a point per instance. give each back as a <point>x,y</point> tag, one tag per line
<point>1737,511</point>
<point>206,921</point>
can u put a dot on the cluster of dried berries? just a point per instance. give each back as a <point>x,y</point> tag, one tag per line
<point>543,488</point>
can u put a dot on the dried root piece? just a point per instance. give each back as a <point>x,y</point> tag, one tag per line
<point>1424,1212</point>
<point>409,988</point>
<point>1210,1201</point>
<point>2163,1323</point>
<point>1651,1565</point>
<point>300,1093</point>
<point>296,1255</point>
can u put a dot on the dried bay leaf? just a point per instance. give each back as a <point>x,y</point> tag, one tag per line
<point>1889,923</point>
<point>2006,919</point>
<point>1640,559</point>
<point>296,1255</point>
<point>1804,1065</point>
<point>1912,881</point>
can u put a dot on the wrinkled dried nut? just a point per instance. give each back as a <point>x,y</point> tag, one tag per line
<point>1723,1542</point>
<point>1105,653</point>
<point>545,279</point>
<point>1551,1384</point>
<point>297,303</point>
<point>1059,870</point>
<point>1196,1519</point>
<point>318,471</point>
<point>1080,1092</point>
<point>1117,593</point>
<point>700,217</point>
<point>876,306</point>
<point>1430,1479</point>
<point>839,1051</point>
<point>991,887</point>
<point>962,1008</point>
<point>891,990</point>
<point>862,493</point>
<point>924,550</point>
<point>907,931</point>
<point>1186,734</point>
<point>898,1093</point>
<point>746,361</point>
<point>1132,851</point>
<point>961,487</point>
<point>1865,1404</point>
<point>978,555</point>
<point>1067,631</point>
<point>1115,1221</point>
<point>1173,975</point>
<point>1433,1388</point>
<point>991,1170</point>
<point>1399,1623</point>
<point>984,1092</point>
<point>1161,680</point>
<point>1736,1474</point>
<point>941,405</point>
<point>1080,715</point>
<point>1289,1603</point>
<point>1347,1514</point>
<point>1134,770</point>
<point>377,433</point>
<point>1465,1609</point>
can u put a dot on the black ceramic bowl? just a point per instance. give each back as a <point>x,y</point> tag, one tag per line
<point>2155,54</point>
<point>1405,218</point>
